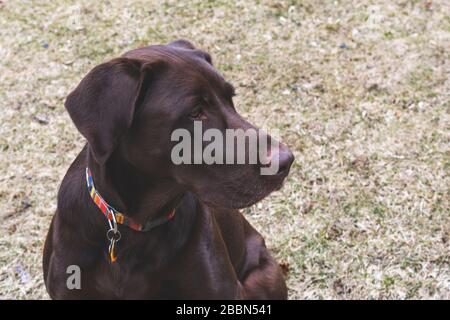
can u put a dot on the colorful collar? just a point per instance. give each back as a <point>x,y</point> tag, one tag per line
<point>115,217</point>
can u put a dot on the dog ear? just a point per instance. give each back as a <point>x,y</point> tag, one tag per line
<point>181,43</point>
<point>204,55</point>
<point>103,104</point>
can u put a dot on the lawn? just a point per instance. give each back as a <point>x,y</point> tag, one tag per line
<point>359,90</point>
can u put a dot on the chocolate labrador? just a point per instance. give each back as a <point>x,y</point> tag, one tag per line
<point>131,222</point>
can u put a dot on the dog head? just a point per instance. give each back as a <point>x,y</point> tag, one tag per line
<point>132,106</point>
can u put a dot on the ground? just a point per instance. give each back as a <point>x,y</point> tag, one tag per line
<point>358,89</point>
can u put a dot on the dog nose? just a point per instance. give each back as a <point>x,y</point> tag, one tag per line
<point>285,160</point>
<point>282,158</point>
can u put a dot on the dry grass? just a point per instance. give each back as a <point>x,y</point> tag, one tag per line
<point>359,90</point>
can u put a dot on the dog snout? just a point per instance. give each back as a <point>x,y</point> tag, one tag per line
<point>286,160</point>
<point>284,157</point>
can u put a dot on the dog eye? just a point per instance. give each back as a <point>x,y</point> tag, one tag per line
<point>197,114</point>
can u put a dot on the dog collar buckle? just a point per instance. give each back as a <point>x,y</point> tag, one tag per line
<point>113,236</point>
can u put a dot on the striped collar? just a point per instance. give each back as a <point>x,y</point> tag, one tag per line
<point>110,213</point>
<point>115,217</point>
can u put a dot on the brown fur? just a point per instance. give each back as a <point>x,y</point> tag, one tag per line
<point>126,109</point>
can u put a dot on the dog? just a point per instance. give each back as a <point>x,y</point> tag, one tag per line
<point>138,226</point>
